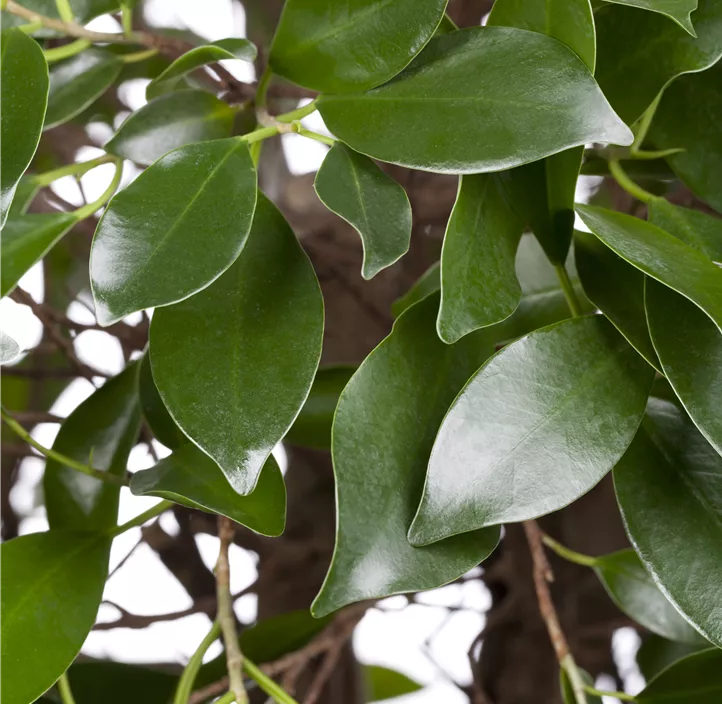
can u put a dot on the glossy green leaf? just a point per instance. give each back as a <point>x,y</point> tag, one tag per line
<point>119,683</point>
<point>478,279</point>
<point>678,10</point>
<point>694,227</point>
<point>26,239</point>
<point>687,119</point>
<point>147,255</point>
<point>668,489</point>
<point>312,427</point>
<point>383,431</point>
<point>639,53</point>
<point>660,255</point>
<point>101,431</point>
<point>200,56</point>
<point>690,350</point>
<point>480,99</point>
<point>24,97</point>
<point>425,285</point>
<point>191,478</point>
<point>83,10</point>
<point>534,429</point>
<point>656,653</point>
<point>692,680</point>
<point>9,349</point>
<point>352,186</point>
<point>383,683</point>
<point>262,324</point>
<point>52,584</point>
<point>354,45</point>
<point>154,412</point>
<point>171,121</point>
<point>568,693</point>
<point>78,82</point>
<point>617,289</point>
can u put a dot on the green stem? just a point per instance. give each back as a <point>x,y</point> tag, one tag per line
<point>644,123</point>
<point>30,27</point>
<point>330,141</point>
<point>260,134</point>
<point>272,689</point>
<point>227,698</point>
<point>650,155</point>
<point>87,210</point>
<point>568,289</point>
<point>53,455</point>
<point>76,169</point>
<point>622,696</point>
<point>297,114</point>
<point>141,518</point>
<point>126,19</point>
<point>66,51</point>
<point>570,555</point>
<point>262,89</point>
<point>575,679</point>
<point>137,56</point>
<point>66,694</point>
<point>185,683</point>
<point>627,184</point>
<point>65,12</point>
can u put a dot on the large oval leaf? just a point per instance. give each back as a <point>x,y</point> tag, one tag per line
<point>52,584</point>
<point>383,431</point>
<point>261,324</point>
<point>535,428</point>
<point>668,489</point>
<point>694,227</point>
<point>480,99</point>
<point>678,10</point>
<point>191,478</point>
<point>354,45</point>
<point>174,230</point>
<point>169,122</point>
<point>24,97</point>
<point>352,186</point>
<point>692,680</point>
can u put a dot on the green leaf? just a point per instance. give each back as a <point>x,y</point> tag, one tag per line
<point>262,324</point>
<point>668,489</point>
<point>639,53</point>
<point>690,350</point>
<point>191,478</point>
<point>119,683</point>
<point>678,10</point>
<point>83,10</point>
<point>617,289</point>
<point>101,431</point>
<point>171,121</point>
<point>383,431</point>
<point>24,97</point>
<point>383,683</point>
<point>633,590</point>
<point>695,228</point>
<point>568,693</point>
<point>26,239</point>
<point>25,193</point>
<point>534,429</point>
<point>147,255</point>
<point>52,584</point>
<point>354,45</point>
<point>200,56</point>
<point>478,279</point>
<point>479,99</point>
<point>78,82</point>
<point>692,680</point>
<point>426,284</point>
<point>659,255</point>
<point>9,349</point>
<point>352,186</point>
<point>687,119</point>
<point>154,412</point>
<point>312,427</point>
<point>657,653</point>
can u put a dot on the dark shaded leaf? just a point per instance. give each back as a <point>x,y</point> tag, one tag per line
<point>119,683</point>
<point>154,412</point>
<point>692,680</point>
<point>695,228</point>
<point>427,283</point>
<point>656,653</point>
<point>678,10</point>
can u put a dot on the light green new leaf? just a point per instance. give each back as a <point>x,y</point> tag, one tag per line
<point>261,324</point>
<point>352,186</point>
<point>24,97</point>
<point>478,278</point>
<point>694,227</point>
<point>534,429</point>
<point>171,121</point>
<point>354,45</point>
<point>231,48</point>
<point>692,680</point>
<point>660,255</point>
<point>26,239</point>
<point>479,99</point>
<point>191,478</point>
<point>383,683</point>
<point>101,431</point>
<point>639,53</point>
<point>383,431</point>
<point>678,10</point>
<point>174,230</point>
<point>9,349</point>
<point>154,412</point>
<point>668,489</point>
<point>52,584</point>
<point>78,82</point>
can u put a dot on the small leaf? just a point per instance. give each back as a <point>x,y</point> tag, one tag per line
<point>479,99</point>
<point>678,10</point>
<point>9,349</point>
<point>171,121</point>
<point>534,429</point>
<point>78,82</point>
<point>478,279</point>
<point>337,47</point>
<point>425,285</point>
<point>692,680</point>
<point>568,693</point>
<point>191,478</point>
<point>383,431</point>
<point>231,48</point>
<point>52,584</point>
<point>667,488</point>
<point>262,324</point>
<point>154,412</point>
<point>26,239</point>
<point>352,186</point>
<point>383,683</point>
<point>152,247</point>
<point>658,653</point>
<point>695,228</point>
<point>24,97</point>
